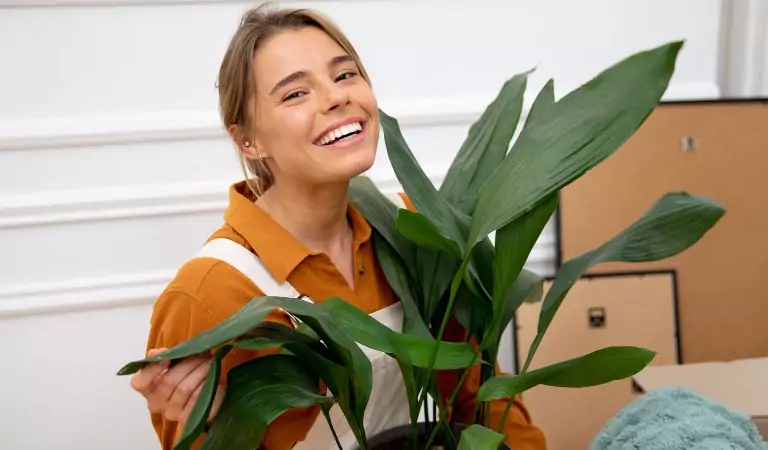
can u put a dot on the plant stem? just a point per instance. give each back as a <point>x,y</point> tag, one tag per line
<point>452,399</point>
<point>330,424</point>
<point>443,422</point>
<point>487,374</point>
<point>506,412</point>
<point>534,346</point>
<point>455,283</point>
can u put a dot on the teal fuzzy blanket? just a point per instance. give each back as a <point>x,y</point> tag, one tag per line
<point>678,419</point>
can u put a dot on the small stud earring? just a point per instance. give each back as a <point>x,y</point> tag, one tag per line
<point>247,144</point>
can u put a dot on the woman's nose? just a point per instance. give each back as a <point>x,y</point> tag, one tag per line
<point>334,96</point>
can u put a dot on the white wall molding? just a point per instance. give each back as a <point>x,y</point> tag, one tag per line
<point>84,294</point>
<point>138,289</point>
<point>127,203</point>
<point>110,129</point>
<point>111,204</point>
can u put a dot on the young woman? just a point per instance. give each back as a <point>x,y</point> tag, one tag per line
<point>299,107</point>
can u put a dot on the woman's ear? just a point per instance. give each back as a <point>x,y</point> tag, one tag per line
<point>245,143</point>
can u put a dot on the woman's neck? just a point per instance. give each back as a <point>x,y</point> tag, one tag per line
<point>315,216</point>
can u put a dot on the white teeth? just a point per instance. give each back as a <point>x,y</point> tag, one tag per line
<point>339,132</point>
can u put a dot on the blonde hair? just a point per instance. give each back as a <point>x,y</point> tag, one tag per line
<point>236,83</point>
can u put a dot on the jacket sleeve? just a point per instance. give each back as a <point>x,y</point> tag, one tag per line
<point>176,317</point>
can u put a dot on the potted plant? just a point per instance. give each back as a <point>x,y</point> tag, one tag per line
<point>440,261</point>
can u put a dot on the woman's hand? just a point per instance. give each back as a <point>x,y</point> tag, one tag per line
<point>173,391</point>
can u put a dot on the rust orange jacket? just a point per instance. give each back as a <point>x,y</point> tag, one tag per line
<point>206,291</point>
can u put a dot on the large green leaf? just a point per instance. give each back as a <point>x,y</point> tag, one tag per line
<point>416,184</point>
<point>514,243</point>
<point>480,268</point>
<point>414,350</point>
<point>485,146</point>
<point>542,104</point>
<point>478,437</point>
<point>573,135</point>
<point>436,270</point>
<point>249,316</point>
<point>674,223</point>
<point>381,213</point>
<point>528,288</point>
<point>411,388</point>
<point>259,391</point>
<point>421,231</point>
<point>354,366</point>
<point>197,419</point>
<point>340,381</point>
<point>398,278</point>
<point>599,367</point>
<point>473,313</point>
<point>279,334</point>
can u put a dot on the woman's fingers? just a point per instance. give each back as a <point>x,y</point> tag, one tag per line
<point>184,415</point>
<point>173,377</point>
<point>145,380</point>
<point>185,390</point>
<point>217,401</point>
<point>173,391</point>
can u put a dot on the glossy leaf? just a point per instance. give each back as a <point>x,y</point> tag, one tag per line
<point>542,104</point>
<point>529,288</point>
<point>249,316</point>
<point>480,268</point>
<point>195,424</point>
<point>273,332</point>
<point>398,278</point>
<point>412,349</point>
<point>416,184</point>
<point>381,213</point>
<point>259,391</point>
<point>572,136</point>
<point>356,364</point>
<point>473,313</point>
<point>478,437</point>
<point>674,223</point>
<point>421,231</point>
<point>485,146</point>
<point>436,269</point>
<point>340,382</point>
<point>411,388</point>
<point>599,367</point>
<point>514,243</point>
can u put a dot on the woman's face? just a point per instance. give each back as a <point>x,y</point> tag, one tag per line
<point>316,118</point>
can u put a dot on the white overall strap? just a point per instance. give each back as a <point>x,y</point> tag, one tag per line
<point>248,264</point>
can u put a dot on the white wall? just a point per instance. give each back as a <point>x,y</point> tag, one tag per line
<point>113,168</point>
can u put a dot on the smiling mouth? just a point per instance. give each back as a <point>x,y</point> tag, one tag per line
<point>341,133</point>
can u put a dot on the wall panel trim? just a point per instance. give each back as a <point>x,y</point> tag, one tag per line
<point>112,129</point>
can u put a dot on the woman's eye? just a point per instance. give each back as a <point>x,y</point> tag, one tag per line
<point>293,95</point>
<point>346,75</point>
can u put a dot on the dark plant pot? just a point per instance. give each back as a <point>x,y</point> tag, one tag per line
<point>399,438</point>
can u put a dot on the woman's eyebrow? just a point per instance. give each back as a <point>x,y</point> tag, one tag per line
<point>295,76</point>
<point>301,74</point>
<point>341,59</point>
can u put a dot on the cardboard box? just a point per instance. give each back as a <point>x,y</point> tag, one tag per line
<point>741,385</point>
